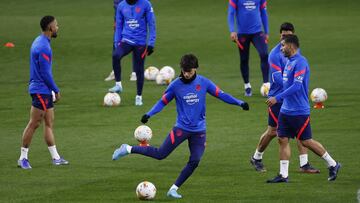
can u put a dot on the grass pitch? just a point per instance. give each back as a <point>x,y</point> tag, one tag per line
<point>87,133</point>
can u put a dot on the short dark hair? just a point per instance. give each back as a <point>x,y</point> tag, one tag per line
<point>45,21</point>
<point>287,27</point>
<point>188,61</point>
<point>292,39</point>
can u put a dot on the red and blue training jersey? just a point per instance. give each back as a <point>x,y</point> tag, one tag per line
<point>191,102</point>
<point>277,62</point>
<point>295,86</point>
<point>41,78</point>
<point>250,16</point>
<point>134,23</point>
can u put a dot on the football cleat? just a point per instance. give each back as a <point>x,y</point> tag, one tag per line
<point>61,161</point>
<point>248,92</point>
<point>138,100</point>
<point>258,165</point>
<point>120,152</point>
<point>307,168</point>
<point>24,164</point>
<point>110,77</point>
<point>116,89</point>
<point>333,171</point>
<point>133,76</point>
<point>173,194</point>
<point>278,179</point>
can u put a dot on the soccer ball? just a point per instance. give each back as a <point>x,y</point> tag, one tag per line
<point>264,90</point>
<point>146,191</point>
<point>143,133</point>
<point>318,95</point>
<point>112,99</point>
<point>162,80</point>
<point>151,73</point>
<point>168,73</point>
<point>53,96</point>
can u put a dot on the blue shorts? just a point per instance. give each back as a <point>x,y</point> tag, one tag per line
<point>42,101</point>
<point>294,126</point>
<point>274,114</point>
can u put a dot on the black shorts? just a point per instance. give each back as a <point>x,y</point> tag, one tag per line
<point>274,114</point>
<point>294,126</point>
<point>42,101</point>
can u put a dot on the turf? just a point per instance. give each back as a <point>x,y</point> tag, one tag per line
<point>87,133</point>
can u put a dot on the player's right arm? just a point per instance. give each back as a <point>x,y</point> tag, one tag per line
<point>45,58</point>
<point>231,19</point>
<point>275,69</point>
<point>119,25</point>
<point>165,99</point>
<point>150,18</point>
<point>264,17</point>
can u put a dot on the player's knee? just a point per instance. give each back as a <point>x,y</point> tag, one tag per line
<point>264,56</point>
<point>161,155</point>
<point>282,140</point>
<point>116,55</point>
<point>244,61</point>
<point>194,163</point>
<point>271,133</point>
<point>48,124</point>
<point>34,124</point>
<point>306,143</point>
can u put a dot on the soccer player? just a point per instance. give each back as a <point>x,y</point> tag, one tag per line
<point>189,92</point>
<point>277,63</point>
<point>111,75</point>
<point>294,117</point>
<point>40,86</point>
<point>250,17</point>
<point>133,19</point>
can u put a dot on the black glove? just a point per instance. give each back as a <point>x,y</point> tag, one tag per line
<point>145,118</point>
<point>245,106</point>
<point>150,50</point>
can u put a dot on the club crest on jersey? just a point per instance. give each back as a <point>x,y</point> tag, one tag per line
<point>300,77</point>
<point>191,98</point>
<point>198,87</point>
<point>137,9</point>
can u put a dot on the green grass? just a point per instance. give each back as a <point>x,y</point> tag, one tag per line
<point>87,133</point>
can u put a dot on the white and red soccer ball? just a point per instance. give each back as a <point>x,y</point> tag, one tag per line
<point>151,72</point>
<point>264,90</point>
<point>146,191</point>
<point>112,99</point>
<point>143,134</point>
<point>165,76</point>
<point>318,95</point>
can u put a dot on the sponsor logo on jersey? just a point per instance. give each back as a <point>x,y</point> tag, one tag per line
<point>191,98</point>
<point>132,23</point>
<point>249,5</point>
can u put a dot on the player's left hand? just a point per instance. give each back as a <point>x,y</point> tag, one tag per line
<point>266,38</point>
<point>245,106</point>
<point>57,96</point>
<point>150,50</point>
<point>271,101</point>
<point>145,118</point>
